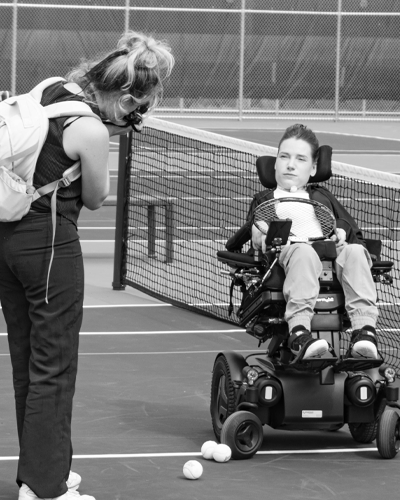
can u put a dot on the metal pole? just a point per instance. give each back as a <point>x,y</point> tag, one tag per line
<point>125,146</point>
<point>241,59</point>
<point>14,49</point>
<point>127,5</point>
<point>338,44</point>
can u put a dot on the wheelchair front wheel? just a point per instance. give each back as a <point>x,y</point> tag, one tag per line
<point>243,433</point>
<point>222,395</point>
<point>388,438</point>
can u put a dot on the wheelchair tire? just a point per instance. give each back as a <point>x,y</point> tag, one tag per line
<point>367,432</point>
<point>388,437</point>
<point>364,433</point>
<point>243,433</point>
<point>222,395</point>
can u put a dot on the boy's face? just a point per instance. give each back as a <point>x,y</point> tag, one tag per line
<point>294,164</point>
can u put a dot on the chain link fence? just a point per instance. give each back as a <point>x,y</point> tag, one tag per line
<point>247,58</point>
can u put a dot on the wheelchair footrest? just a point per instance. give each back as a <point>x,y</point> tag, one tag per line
<point>355,365</point>
<point>313,365</point>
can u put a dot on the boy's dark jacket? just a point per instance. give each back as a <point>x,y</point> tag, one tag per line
<point>318,193</point>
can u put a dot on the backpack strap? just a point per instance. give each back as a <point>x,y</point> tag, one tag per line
<point>6,162</point>
<point>69,108</point>
<point>59,109</point>
<point>37,91</point>
<point>70,175</point>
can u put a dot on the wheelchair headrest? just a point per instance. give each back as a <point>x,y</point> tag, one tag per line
<point>266,168</point>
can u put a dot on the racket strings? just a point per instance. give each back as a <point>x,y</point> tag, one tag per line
<point>310,219</point>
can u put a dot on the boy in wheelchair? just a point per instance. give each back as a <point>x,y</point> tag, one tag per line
<point>295,167</point>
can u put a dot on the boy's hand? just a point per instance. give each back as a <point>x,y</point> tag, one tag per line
<point>340,239</point>
<point>258,238</point>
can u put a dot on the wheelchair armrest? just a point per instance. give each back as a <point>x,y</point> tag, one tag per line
<point>374,248</point>
<point>242,236</point>
<point>383,266</point>
<point>235,259</point>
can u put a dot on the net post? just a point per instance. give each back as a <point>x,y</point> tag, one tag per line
<point>125,146</point>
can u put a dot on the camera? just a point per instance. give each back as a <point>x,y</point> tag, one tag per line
<point>135,118</point>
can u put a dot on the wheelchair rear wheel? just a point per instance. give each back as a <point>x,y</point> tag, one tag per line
<point>222,395</point>
<point>388,438</point>
<point>243,433</point>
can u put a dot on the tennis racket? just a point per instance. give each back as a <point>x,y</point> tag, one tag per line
<point>311,220</point>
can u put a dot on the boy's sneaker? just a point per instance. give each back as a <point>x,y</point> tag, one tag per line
<point>363,343</point>
<point>73,481</point>
<point>25,493</point>
<point>304,346</point>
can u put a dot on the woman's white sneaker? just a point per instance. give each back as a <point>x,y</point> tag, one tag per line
<point>74,480</point>
<point>25,493</point>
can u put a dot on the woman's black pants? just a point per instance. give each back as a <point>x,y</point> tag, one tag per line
<point>43,340</point>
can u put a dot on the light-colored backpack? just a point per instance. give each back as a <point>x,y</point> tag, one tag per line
<point>24,124</point>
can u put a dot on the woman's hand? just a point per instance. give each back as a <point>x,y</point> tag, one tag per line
<point>114,130</point>
<point>340,239</point>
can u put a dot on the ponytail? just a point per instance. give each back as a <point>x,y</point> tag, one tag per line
<point>138,67</point>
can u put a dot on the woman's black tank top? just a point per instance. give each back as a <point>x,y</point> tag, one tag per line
<point>53,161</point>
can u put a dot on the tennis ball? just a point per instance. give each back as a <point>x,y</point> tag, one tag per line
<point>207,449</point>
<point>192,469</point>
<point>222,453</point>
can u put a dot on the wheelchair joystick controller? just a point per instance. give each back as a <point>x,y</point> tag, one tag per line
<point>274,251</point>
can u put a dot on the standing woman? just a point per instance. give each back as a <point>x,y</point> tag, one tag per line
<point>43,334</point>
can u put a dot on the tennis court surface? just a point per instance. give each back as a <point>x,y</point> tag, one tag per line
<point>141,408</point>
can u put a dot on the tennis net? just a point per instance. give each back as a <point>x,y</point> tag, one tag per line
<point>186,191</point>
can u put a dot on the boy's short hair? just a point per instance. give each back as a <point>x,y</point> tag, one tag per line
<point>299,131</point>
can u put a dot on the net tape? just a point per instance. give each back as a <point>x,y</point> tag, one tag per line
<point>206,183</point>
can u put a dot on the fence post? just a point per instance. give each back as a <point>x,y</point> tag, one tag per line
<point>125,145</point>
<point>127,5</point>
<point>241,59</point>
<point>14,49</point>
<point>338,46</point>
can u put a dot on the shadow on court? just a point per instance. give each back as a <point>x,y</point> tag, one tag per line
<point>141,411</point>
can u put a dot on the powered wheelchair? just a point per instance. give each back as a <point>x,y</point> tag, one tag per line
<point>273,387</point>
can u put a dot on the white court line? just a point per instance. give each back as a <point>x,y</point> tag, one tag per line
<point>161,332</point>
<point>198,454</point>
<point>109,306</point>
<point>217,351</point>
<point>141,353</point>
<point>349,134</point>
<point>222,304</point>
<point>357,135</point>
<point>164,332</point>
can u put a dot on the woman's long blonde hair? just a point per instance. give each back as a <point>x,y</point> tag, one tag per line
<point>137,67</point>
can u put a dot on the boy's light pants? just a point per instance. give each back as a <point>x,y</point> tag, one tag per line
<point>303,268</point>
